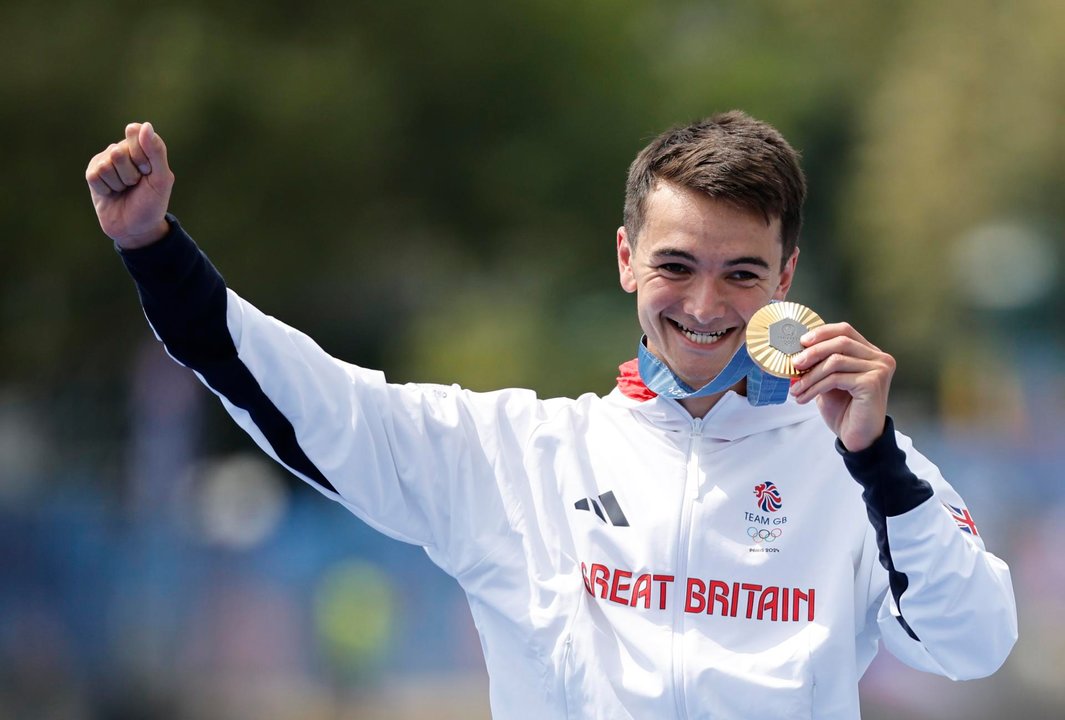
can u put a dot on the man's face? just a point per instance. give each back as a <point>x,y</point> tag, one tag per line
<point>700,270</point>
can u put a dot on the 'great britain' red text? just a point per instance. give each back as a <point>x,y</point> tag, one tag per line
<point>713,597</point>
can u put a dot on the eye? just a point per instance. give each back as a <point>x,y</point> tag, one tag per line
<point>673,268</point>
<point>744,276</point>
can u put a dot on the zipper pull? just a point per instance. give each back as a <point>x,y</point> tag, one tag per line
<point>697,428</point>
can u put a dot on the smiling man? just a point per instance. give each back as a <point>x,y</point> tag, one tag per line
<point>704,541</point>
<point>700,270</point>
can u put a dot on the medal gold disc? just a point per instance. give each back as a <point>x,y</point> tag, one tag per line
<point>773,336</point>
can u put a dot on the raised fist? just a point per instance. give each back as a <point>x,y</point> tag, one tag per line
<point>130,182</point>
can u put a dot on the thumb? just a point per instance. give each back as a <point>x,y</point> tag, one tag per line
<point>153,147</point>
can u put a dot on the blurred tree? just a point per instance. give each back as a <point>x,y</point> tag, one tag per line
<point>433,189</point>
<point>962,129</point>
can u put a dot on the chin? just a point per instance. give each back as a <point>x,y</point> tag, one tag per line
<point>696,377</point>
<point>698,373</point>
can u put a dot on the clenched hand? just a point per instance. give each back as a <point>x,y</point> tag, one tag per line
<point>130,183</point>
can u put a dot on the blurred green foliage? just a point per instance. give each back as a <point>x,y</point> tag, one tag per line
<point>433,188</point>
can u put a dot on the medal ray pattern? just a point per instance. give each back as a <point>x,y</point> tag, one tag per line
<point>773,336</point>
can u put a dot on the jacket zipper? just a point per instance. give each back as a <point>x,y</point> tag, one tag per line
<point>691,491</point>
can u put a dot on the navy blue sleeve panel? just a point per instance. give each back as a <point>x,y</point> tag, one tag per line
<point>888,485</point>
<point>184,298</point>
<point>889,488</point>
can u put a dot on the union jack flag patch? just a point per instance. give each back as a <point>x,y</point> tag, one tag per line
<point>963,518</point>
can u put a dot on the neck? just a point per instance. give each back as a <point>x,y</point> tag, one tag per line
<point>698,407</point>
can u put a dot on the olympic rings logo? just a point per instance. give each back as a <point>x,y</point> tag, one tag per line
<point>762,535</point>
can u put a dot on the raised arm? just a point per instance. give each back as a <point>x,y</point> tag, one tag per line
<point>949,606</point>
<point>416,462</point>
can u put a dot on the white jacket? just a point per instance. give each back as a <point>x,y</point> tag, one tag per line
<point>621,559</point>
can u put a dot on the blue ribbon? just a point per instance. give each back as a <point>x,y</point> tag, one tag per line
<point>762,388</point>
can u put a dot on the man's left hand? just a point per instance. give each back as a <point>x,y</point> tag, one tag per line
<point>850,378</point>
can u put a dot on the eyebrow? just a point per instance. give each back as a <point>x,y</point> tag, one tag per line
<point>748,260</point>
<point>668,252</point>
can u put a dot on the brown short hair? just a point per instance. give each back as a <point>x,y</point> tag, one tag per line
<point>730,156</point>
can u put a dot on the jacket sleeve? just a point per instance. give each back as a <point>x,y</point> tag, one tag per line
<point>946,604</point>
<point>417,462</point>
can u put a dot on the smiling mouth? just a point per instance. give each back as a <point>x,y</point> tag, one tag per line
<point>707,338</point>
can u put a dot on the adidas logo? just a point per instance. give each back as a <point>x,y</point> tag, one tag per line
<point>605,506</point>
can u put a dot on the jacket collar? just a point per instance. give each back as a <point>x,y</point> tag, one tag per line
<point>731,418</point>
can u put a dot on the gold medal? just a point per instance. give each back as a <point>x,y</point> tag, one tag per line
<point>773,336</point>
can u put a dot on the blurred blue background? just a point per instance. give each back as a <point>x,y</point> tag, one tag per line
<point>433,189</point>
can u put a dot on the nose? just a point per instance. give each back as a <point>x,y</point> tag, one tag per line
<point>706,302</point>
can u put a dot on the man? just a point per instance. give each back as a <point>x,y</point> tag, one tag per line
<point>706,554</point>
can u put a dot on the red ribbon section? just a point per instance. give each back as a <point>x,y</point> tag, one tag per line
<point>630,384</point>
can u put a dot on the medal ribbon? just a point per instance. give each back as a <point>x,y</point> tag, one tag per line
<point>762,388</point>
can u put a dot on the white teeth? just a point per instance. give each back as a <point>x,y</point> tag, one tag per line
<point>701,338</point>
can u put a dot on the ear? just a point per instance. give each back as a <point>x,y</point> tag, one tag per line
<point>625,252</point>
<point>786,276</point>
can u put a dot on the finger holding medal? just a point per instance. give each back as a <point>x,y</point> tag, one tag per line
<point>849,377</point>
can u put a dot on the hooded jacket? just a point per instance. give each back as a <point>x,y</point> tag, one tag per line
<point>621,559</point>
